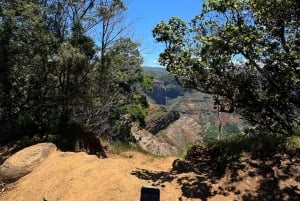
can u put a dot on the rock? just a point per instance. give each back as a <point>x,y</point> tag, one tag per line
<point>159,119</point>
<point>152,144</point>
<point>24,161</point>
<point>175,139</point>
<point>182,133</point>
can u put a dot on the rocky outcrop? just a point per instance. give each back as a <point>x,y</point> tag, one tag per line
<point>182,133</point>
<point>173,140</point>
<point>152,143</point>
<point>167,132</point>
<point>159,118</point>
<point>24,161</point>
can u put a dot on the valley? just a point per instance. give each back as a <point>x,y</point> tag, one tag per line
<point>196,120</point>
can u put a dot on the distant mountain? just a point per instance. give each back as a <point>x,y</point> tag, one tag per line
<point>179,117</point>
<point>165,87</point>
<point>194,104</point>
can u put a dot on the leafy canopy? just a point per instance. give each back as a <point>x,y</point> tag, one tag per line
<point>244,52</point>
<point>51,73</point>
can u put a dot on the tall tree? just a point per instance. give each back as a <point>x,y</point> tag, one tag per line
<point>111,13</point>
<point>45,68</point>
<point>245,53</point>
<point>25,50</point>
<point>127,77</point>
<point>125,102</point>
<point>50,68</point>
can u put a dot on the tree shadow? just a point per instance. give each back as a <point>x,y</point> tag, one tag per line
<point>269,190</point>
<point>208,168</point>
<point>158,178</point>
<point>197,187</point>
<point>280,181</point>
<point>276,175</point>
<point>277,172</point>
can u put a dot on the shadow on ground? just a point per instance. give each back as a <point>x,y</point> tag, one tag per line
<point>206,173</point>
<point>158,178</point>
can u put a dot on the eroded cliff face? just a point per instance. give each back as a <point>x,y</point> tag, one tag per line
<point>163,92</point>
<point>167,132</point>
<point>171,129</point>
<point>196,105</point>
<point>200,107</point>
<point>175,139</point>
<point>158,93</point>
<point>177,117</point>
<point>159,118</point>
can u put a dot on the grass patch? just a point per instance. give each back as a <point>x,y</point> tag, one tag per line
<point>260,145</point>
<point>293,142</point>
<point>228,153</point>
<point>122,147</point>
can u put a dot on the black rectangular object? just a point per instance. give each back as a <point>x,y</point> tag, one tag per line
<point>150,193</point>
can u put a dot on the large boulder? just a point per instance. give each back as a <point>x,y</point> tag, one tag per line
<point>24,161</point>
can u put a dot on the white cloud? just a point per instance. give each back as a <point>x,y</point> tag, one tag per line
<point>156,62</point>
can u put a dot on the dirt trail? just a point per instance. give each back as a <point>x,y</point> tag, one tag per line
<point>67,176</point>
<point>77,176</point>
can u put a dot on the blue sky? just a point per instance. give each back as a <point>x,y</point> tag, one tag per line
<point>146,14</point>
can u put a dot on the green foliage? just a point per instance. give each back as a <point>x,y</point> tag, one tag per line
<point>133,111</point>
<point>147,83</point>
<point>212,132</point>
<point>260,145</point>
<point>231,128</point>
<point>244,52</point>
<point>122,147</point>
<point>123,94</point>
<point>25,48</point>
<point>84,43</point>
<point>136,112</point>
<point>45,73</point>
<point>293,142</point>
<point>50,73</point>
<point>109,9</point>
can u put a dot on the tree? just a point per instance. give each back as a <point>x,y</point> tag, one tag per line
<point>245,53</point>
<point>111,13</point>
<point>127,81</point>
<point>25,50</point>
<point>51,73</point>
<point>124,101</point>
<point>45,73</point>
